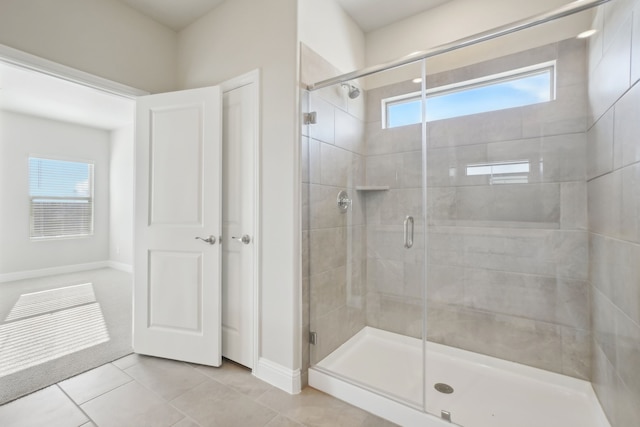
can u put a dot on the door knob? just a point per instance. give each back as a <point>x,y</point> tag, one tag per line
<point>210,240</point>
<point>244,239</point>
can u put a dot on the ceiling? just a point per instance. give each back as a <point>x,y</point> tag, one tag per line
<point>176,14</point>
<point>37,94</point>
<point>368,14</point>
<point>373,14</point>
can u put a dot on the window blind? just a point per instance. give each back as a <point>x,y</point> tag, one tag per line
<point>61,197</point>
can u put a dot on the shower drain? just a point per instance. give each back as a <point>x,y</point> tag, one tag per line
<point>443,388</point>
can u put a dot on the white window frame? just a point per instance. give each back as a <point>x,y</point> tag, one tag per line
<point>532,70</point>
<point>33,199</point>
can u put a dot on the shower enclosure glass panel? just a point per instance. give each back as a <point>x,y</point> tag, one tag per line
<point>507,285</point>
<point>489,318</point>
<point>365,237</point>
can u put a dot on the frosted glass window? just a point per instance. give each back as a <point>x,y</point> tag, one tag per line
<point>61,198</point>
<point>502,172</point>
<point>516,88</point>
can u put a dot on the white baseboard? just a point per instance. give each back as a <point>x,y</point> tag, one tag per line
<point>30,274</point>
<point>127,268</point>
<point>278,376</point>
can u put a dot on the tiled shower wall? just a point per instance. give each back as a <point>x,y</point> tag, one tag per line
<point>507,262</point>
<point>614,209</point>
<point>395,279</point>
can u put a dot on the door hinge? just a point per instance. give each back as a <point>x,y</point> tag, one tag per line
<point>310,118</point>
<point>313,338</point>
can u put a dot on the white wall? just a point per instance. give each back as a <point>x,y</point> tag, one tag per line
<point>121,197</point>
<point>102,37</point>
<point>327,29</point>
<point>236,37</point>
<point>20,137</point>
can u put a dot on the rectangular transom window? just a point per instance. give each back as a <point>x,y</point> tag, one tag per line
<point>515,88</point>
<point>61,197</point>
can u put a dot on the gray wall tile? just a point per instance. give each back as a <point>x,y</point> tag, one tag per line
<point>627,128</point>
<point>611,76</point>
<point>635,45</point>
<point>630,203</point>
<point>613,201</point>
<point>349,132</point>
<point>324,129</point>
<point>600,146</point>
<point>573,202</point>
<point>576,353</point>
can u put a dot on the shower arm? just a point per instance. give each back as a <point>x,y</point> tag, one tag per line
<point>561,12</point>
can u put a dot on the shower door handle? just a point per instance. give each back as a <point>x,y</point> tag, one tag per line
<point>408,234</point>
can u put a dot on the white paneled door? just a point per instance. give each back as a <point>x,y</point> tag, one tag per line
<point>238,213</point>
<point>177,291</point>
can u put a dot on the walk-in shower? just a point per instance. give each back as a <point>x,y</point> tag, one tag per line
<point>454,285</point>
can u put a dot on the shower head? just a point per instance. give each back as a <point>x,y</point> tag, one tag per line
<point>354,92</point>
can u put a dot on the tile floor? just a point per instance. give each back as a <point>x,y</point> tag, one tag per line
<point>138,391</point>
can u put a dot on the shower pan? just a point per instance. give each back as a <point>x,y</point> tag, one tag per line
<point>454,288</point>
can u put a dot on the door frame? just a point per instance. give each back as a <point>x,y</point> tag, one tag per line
<point>37,64</point>
<point>9,55</point>
<point>253,78</point>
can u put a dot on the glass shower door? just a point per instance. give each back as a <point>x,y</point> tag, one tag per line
<point>365,236</point>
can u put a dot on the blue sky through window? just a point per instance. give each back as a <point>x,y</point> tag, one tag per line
<point>58,178</point>
<point>515,92</point>
<point>404,113</point>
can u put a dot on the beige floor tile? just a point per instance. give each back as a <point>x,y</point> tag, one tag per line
<point>186,423</point>
<point>128,361</point>
<point>214,404</point>
<point>93,383</point>
<point>48,407</point>
<point>284,402</point>
<point>314,408</point>
<point>237,377</point>
<point>131,405</point>
<point>281,421</point>
<point>374,421</point>
<point>167,378</point>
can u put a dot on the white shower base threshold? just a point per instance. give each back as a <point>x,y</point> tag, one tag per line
<point>488,392</point>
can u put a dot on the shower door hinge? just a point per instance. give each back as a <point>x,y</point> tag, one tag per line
<point>313,338</point>
<point>310,118</point>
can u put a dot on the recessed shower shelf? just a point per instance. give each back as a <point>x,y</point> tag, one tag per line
<point>372,187</point>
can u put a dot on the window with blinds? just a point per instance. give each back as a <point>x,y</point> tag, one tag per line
<point>61,197</point>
